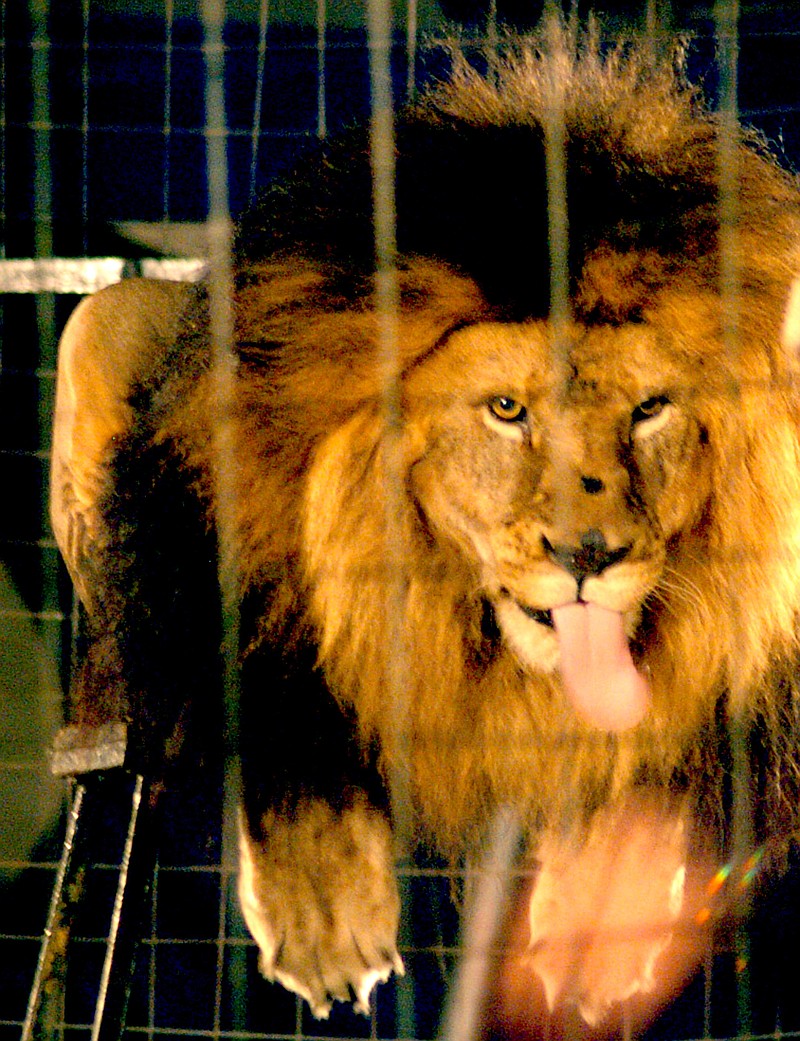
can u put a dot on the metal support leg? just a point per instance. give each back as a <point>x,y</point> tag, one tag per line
<point>45,1004</point>
<point>125,930</point>
<point>98,752</point>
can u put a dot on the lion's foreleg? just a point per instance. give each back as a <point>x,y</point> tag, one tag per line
<point>605,909</point>
<point>319,897</point>
<point>316,883</point>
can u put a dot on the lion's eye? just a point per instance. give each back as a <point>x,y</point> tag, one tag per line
<point>507,409</point>
<point>651,414</point>
<point>649,409</point>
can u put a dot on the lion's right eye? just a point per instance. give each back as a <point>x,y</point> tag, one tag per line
<point>651,415</point>
<point>509,410</point>
<point>650,408</point>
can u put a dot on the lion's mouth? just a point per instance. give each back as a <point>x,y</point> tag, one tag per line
<point>543,617</point>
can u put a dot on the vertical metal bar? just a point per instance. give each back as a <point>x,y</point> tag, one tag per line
<point>3,159</point>
<point>133,885</point>
<point>412,20</point>
<point>40,83</point>
<point>151,959</point>
<point>382,145</point>
<point>483,920</point>
<point>708,982</point>
<point>492,36</point>
<point>44,1018</point>
<point>220,294</point>
<point>556,159</point>
<point>169,20</point>
<point>387,303</point>
<point>85,84</point>
<point>651,19</point>
<point>557,215</point>
<point>726,15</point>
<point>258,101</point>
<point>72,627</point>
<point>3,122</point>
<point>50,634</point>
<point>219,976</point>
<point>387,306</point>
<point>42,178</point>
<point>322,30</point>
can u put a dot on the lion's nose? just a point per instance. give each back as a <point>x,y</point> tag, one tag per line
<point>590,557</point>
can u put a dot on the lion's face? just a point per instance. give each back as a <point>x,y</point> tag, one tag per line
<point>565,474</point>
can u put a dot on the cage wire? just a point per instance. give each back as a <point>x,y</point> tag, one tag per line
<point>228,91</point>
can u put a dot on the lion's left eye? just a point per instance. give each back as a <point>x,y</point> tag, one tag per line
<point>509,410</point>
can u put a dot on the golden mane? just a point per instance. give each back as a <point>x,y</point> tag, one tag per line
<point>396,608</point>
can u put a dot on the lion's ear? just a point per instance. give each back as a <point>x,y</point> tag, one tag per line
<point>434,300</point>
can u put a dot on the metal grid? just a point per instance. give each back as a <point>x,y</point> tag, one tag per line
<point>103,121</point>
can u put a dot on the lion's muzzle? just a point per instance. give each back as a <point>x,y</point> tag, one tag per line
<point>590,557</point>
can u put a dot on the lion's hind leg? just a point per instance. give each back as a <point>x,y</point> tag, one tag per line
<point>130,529</point>
<point>113,340</point>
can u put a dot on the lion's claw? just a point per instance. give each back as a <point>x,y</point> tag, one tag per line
<point>320,998</point>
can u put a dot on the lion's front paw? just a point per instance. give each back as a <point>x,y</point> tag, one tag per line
<point>320,899</point>
<point>603,913</point>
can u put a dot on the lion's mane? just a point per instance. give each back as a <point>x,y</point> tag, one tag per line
<point>332,539</point>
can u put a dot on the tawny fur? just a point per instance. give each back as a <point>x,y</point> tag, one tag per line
<point>403,539</point>
<point>314,442</point>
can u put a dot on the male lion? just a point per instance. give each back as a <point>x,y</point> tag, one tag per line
<point>556,568</point>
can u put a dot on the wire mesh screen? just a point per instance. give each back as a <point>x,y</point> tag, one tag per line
<point>133,132</point>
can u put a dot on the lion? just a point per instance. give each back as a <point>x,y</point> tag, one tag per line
<point>523,560</point>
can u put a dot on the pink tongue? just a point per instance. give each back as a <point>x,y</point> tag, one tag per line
<point>597,669</point>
